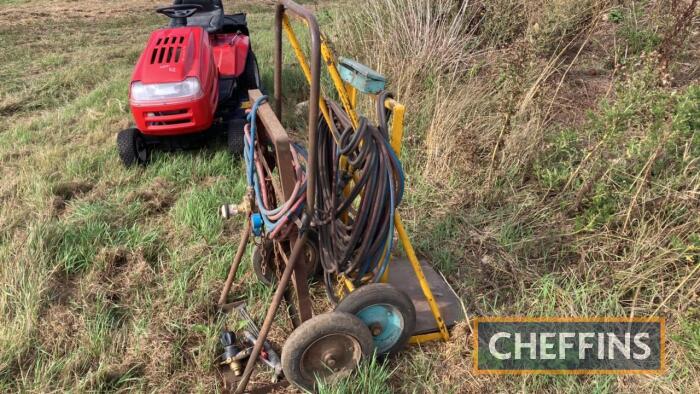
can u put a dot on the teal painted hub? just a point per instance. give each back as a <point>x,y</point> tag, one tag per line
<point>386,324</point>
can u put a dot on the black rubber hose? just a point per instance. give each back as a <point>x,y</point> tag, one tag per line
<point>353,223</point>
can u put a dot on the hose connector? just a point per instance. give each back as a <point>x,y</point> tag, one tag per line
<point>258,224</point>
<point>228,211</point>
<point>233,356</point>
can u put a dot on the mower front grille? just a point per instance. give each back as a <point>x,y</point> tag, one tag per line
<point>168,50</point>
<point>167,113</point>
<point>169,118</point>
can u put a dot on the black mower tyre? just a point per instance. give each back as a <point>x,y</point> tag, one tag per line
<point>327,347</point>
<point>388,313</point>
<point>132,147</point>
<point>236,137</point>
<point>251,75</point>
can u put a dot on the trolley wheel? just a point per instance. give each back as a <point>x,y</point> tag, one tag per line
<point>313,259</point>
<point>264,262</point>
<point>326,347</point>
<point>388,313</point>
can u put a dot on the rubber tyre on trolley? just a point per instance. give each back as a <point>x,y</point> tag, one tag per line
<point>263,260</point>
<point>326,347</point>
<point>388,313</point>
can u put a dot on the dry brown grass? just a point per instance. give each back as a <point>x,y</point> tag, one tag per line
<point>528,203</point>
<point>56,11</point>
<point>550,171</point>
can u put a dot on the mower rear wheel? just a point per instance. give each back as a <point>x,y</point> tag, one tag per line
<point>132,147</point>
<point>251,75</point>
<point>326,347</point>
<point>388,313</point>
<point>236,137</point>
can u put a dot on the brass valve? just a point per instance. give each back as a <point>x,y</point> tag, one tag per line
<point>233,356</point>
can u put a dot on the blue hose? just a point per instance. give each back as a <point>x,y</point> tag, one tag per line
<point>252,176</point>
<point>375,261</point>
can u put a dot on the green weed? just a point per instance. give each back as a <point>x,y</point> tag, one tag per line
<point>371,377</point>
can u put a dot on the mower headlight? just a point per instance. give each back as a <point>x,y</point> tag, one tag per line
<point>187,89</point>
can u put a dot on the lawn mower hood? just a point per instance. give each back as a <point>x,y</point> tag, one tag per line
<point>174,88</point>
<point>173,55</point>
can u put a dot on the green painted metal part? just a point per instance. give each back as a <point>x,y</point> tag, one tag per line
<point>361,77</point>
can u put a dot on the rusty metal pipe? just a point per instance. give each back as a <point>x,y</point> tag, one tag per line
<point>315,91</point>
<point>245,236</point>
<point>314,98</point>
<point>297,252</point>
<point>279,15</point>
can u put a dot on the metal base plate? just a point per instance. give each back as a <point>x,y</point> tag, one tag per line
<point>402,276</point>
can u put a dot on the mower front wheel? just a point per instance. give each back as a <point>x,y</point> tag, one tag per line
<point>132,147</point>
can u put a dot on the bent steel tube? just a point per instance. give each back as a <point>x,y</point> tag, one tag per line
<point>314,96</point>
<point>272,310</point>
<point>245,236</point>
<point>315,91</point>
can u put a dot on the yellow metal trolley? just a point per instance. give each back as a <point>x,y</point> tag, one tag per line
<point>348,96</point>
<point>437,307</point>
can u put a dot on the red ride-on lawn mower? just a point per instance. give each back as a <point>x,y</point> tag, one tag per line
<point>191,82</point>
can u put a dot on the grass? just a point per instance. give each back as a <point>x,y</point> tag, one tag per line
<point>551,153</point>
<point>101,263</point>
<point>371,377</point>
<point>549,163</point>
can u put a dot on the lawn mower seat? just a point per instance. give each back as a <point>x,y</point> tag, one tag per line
<point>235,23</point>
<point>211,17</point>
